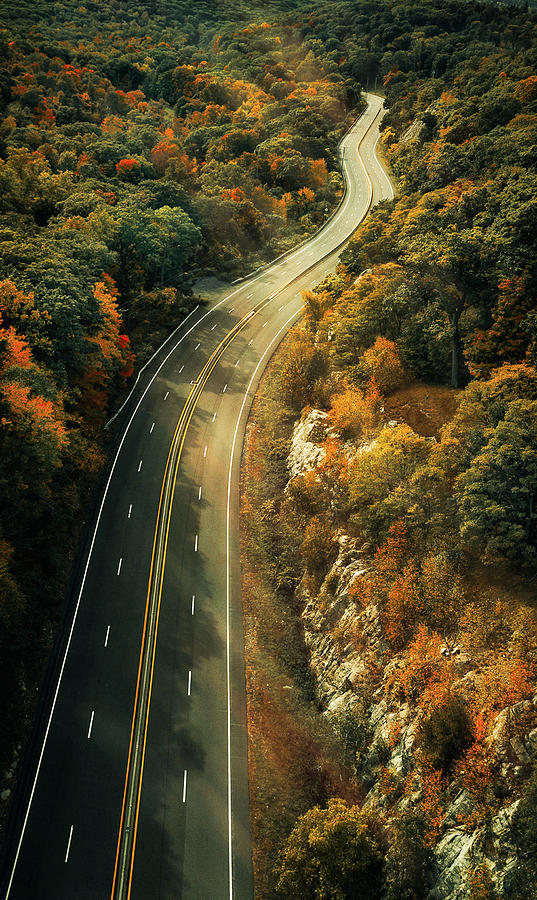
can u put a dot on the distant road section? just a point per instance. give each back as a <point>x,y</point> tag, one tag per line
<point>139,785</point>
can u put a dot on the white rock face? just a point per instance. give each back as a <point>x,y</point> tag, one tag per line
<point>308,434</point>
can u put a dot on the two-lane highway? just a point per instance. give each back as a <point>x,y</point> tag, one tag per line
<point>140,784</point>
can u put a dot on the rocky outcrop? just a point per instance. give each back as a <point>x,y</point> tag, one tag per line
<point>308,434</point>
<point>353,669</point>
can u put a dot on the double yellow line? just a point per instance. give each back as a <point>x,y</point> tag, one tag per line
<point>128,827</point>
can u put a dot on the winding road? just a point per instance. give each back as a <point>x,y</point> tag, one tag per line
<point>139,787</point>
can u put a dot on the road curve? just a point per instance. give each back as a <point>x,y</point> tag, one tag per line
<point>150,681</point>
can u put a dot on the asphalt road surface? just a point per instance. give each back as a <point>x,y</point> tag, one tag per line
<point>140,781</point>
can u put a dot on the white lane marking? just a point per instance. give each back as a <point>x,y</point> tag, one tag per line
<point>250,342</point>
<point>196,544</point>
<point>205,451</point>
<point>280,308</point>
<point>279,262</point>
<point>214,326</point>
<point>225,388</point>
<point>166,395</point>
<point>181,369</point>
<point>199,493</point>
<point>184,787</point>
<point>237,363</point>
<point>107,636</point>
<point>228,592</point>
<point>69,843</point>
<point>189,681</point>
<point>249,297</point>
<point>130,511</point>
<point>265,324</point>
<point>151,429</point>
<point>193,602</point>
<point>214,416</point>
<point>91,723</point>
<point>140,464</point>
<point>197,346</point>
<point>232,310</point>
<point>119,565</point>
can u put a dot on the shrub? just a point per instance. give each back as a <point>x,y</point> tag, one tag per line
<point>523,831</point>
<point>407,860</point>
<point>318,549</point>
<point>445,734</point>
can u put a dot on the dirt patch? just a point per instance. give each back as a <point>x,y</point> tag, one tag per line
<point>425,407</point>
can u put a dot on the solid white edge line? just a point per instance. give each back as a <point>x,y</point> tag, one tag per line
<point>228,594</point>
<point>273,267</point>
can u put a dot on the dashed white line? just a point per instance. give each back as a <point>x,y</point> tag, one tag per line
<point>265,324</point>
<point>140,464</point>
<point>119,565</point>
<point>214,326</point>
<point>214,416</point>
<point>225,388</point>
<point>237,363</point>
<point>181,369</point>
<point>69,843</point>
<point>232,310</point>
<point>166,395</point>
<point>107,636</point>
<point>197,346</point>
<point>196,544</point>
<point>250,341</point>
<point>205,451</point>
<point>249,297</point>
<point>189,681</point>
<point>91,723</point>
<point>184,787</point>
<point>151,429</point>
<point>130,511</point>
<point>199,493</point>
<point>193,602</point>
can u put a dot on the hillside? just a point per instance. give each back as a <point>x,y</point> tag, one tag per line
<point>389,532</point>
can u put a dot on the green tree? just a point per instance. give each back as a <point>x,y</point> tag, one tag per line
<point>332,854</point>
<point>496,495</point>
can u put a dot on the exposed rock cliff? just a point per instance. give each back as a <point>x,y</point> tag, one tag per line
<point>355,672</point>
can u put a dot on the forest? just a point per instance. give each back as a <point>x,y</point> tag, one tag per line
<point>130,135</point>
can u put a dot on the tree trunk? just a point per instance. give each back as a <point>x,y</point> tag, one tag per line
<point>455,348</point>
<point>530,517</point>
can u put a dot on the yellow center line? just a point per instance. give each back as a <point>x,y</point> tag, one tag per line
<point>183,423</point>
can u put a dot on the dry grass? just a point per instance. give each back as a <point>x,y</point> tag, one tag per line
<point>425,407</point>
<point>295,759</point>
